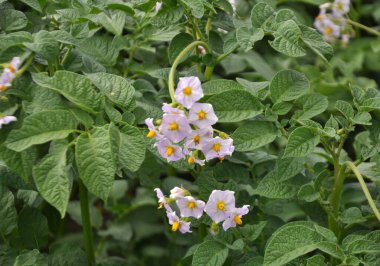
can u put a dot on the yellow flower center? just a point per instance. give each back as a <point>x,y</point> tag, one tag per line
<point>191,205</point>
<point>221,158</point>
<point>190,160</point>
<point>175,226</point>
<point>320,17</point>
<point>238,220</point>
<point>187,91</point>
<point>169,151</point>
<point>220,206</point>
<point>161,205</point>
<point>328,30</point>
<point>216,147</point>
<point>2,87</point>
<point>201,115</point>
<point>196,139</point>
<point>340,5</point>
<point>12,69</point>
<point>151,134</point>
<point>173,126</point>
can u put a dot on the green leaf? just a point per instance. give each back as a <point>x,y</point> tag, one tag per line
<point>210,253</point>
<point>282,108</point>
<point>35,4</point>
<point>76,88</point>
<point>95,160</point>
<point>12,20</point>
<point>116,88</point>
<point>362,118</point>
<point>316,43</point>
<point>51,177</point>
<point>345,109</point>
<point>45,45</point>
<point>14,39</point>
<point>252,231</point>
<point>167,17</point>
<point>312,105</point>
<point>220,85</point>
<point>292,241</point>
<point>31,258</point>
<point>287,39</point>
<point>19,162</point>
<point>41,127</point>
<point>370,104</point>
<point>260,14</point>
<point>288,85</point>
<point>8,211</point>
<point>289,167</point>
<point>301,142</point>
<point>235,105</point>
<point>33,228</point>
<point>132,148</point>
<point>196,7</point>
<point>247,37</point>
<point>177,45</point>
<point>316,260</point>
<point>253,135</point>
<point>112,22</point>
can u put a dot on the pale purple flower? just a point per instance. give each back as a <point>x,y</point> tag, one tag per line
<point>341,7</point>
<point>190,207</point>
<point>175,127</point>
<point>331,30</point>
<point>162,201</point>
<point>168,109</point>
<point>202,115</point>
<point>189,91</point>
<point>158,6</point>
<point>153,132</point>
<point>178,224</point>
<point>198,137</point>
<point>218,148</point>
<point>177,193</point>
<point>220,204</point>
<point>14,64</point>
<point>169,151</point>
<point>235,217</point>
<point>7,119</point>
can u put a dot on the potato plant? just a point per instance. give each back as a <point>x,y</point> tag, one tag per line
<point>189,132</point>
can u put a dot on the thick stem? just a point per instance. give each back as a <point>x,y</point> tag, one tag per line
<point>86,223</point>
<point>208,72</point>
<point>176,63</point>
<point>364,188</point>
<point>25,66</point>
<point>363,27</point>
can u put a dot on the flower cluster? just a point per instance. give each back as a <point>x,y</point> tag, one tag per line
<point>331,21</point>
<point>186,131</point>
<point>220,207</point>
<point>9,73</point>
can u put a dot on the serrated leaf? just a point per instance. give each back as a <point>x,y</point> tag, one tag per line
<point>95,160</point>
<point>235,105</point>
<point>45,45</point>
<point>177,45</point>
<point>51,177</point>
<point>288,85</point>
<point>220,85</point>
<point>41,127</point>
<point>301,142</point>
<point>115,88</point>
<point>76,88</point>
<point>8,211</point>
<point>260,13</point>
<point>253,135</point>
<point>210,253</point>
<point>287,39</point>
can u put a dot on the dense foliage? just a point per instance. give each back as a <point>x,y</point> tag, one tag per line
<point>259,121</point>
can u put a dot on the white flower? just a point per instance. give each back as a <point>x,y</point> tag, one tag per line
<point>190,207</point>
<point>178,192</point>
<point>220,204</point>
<point>178,224</point>
<point>235,217</point>
<point>189,90</point>
<point>202,115</point>
<point>7,119</point>
<point>162,201</point>
<point>158,6</point>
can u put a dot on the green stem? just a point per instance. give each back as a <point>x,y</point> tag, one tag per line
<point>66,56</point>
<point>51,68</point>
<point>208,26</point>
<point>176,63</point>
<point>208,72</point>
<point>363,27</point>
<point>364,188</point>
<point>25,66</point>
<point>86,223</point>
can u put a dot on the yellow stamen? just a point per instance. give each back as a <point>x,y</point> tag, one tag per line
<point>220,206</point>
<point>151,134</point>
<point>161,205</point>
<point>2,87</point>
<point>328,30</point>
<point>191,205</point>
<point>221,158</point>
<point>169,151</point>
<point>238,220</point>
<point>175,226</point>
<point>190,160</point>
<point>12,69</point>
<point>201,115</point>
<point>216,147</point>
<point>173,126</point>
<point>187,91</point>
<point>320,17</point>
<point>197,139</point>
